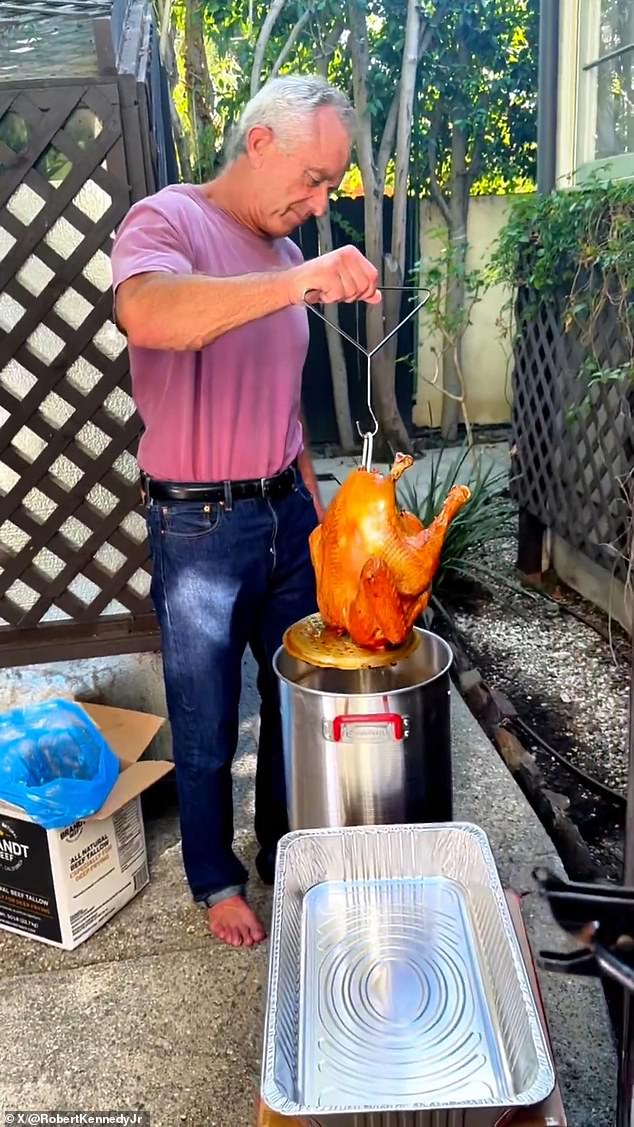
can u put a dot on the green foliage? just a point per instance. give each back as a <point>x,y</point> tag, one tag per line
<point>228,45</point>
<point>579,244</point>
<point>232,30</point>
<point>498,184</point>
<point>480,78</point>
<point>349,229</point>
<point>487,518</point>
<point>436,272</point>
<point>494,93</point>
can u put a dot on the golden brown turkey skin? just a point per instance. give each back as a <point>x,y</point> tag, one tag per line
<point>375,564</point>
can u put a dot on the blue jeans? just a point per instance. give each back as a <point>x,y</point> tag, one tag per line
<point>222,581</point>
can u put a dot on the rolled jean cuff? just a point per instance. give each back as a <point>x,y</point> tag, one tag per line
<point>214,898</point>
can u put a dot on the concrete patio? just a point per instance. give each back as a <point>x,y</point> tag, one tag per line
<point>150,1013</point>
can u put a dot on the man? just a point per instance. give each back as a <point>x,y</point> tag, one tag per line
<point>209,290</point>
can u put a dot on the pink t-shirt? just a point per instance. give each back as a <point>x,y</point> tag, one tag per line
<point>231,410</point>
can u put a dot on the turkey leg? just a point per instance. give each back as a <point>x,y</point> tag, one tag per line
<point>414,560</point>
<point>376,613</point>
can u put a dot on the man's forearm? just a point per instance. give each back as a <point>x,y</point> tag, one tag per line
<point>307,470</point>
<point>185,313</point>
<point>304,460</point>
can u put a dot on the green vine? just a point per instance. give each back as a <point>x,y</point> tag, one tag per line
<point>349,230</point>
<point>447,323</point>
<point>575,251</point>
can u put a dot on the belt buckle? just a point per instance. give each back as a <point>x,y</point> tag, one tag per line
<point>265,486</point>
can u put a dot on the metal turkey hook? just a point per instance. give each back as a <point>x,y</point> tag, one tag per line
<point>368,436</point>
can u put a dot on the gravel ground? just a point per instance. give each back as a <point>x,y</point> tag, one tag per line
<point>568,683</point>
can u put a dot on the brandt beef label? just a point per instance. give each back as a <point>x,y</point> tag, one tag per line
<point>27,896</point>
<point>13,852</point>
<point>71,833</point>
<point>90,857</point>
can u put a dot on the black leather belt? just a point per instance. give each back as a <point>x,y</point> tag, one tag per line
<point>220,492</point>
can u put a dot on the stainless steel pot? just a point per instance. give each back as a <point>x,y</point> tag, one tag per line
<point>368,746</point>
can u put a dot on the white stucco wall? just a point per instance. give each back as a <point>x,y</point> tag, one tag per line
<point>486,354</point>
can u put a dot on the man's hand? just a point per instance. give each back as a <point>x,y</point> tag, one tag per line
<point>320,508</point>
<point>342,275</point>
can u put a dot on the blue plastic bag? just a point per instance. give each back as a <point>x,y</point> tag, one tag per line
<point>54,763</point>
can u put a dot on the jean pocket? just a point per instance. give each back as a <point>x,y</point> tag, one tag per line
<point>303,492</point>
<point>185,520</point>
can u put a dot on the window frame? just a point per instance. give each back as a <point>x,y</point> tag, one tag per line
<point>620,167</point>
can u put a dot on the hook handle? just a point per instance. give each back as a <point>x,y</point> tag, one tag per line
<point>368,436</point>
<point>384,289</point>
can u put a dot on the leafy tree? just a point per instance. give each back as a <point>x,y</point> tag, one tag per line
<point>305,38</point>
<point>476,130</point>
<point>445,96</point>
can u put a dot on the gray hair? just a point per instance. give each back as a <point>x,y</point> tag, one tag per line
<point>283,105</point>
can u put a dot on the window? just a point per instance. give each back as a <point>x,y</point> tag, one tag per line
<point>605,105</point>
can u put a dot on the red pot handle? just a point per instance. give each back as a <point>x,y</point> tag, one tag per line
<point>386,719</point>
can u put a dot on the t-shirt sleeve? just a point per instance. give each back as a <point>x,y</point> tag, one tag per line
<point>294,253</point>
<point>149,240</point>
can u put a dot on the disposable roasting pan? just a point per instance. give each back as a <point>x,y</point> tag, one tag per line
<point>397,991</point>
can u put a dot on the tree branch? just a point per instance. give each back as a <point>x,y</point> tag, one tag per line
<point>165,11</point>
<point>475,165</point>
<point>429,27</point>
<point>387,140</point>
<point>266,31</point>
<point>360,56</point>
<point>432,141</point>
<point>434,383</point>
<point>407,90</point>
<point>291,41</point>
<point>359,43</point>
<point>389,131</point>
<point>328,47</point>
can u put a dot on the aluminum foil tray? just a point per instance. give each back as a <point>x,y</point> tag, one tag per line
<point>396,982</point>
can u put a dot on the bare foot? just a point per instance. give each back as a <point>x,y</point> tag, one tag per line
<point>232,921</point>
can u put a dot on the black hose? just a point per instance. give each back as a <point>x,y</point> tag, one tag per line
<point>591,783</point>
<point>565,609</point>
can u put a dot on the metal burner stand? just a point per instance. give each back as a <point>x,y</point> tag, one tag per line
<point>602,916</point>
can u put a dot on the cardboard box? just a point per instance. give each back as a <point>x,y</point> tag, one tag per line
<point>549,1113</point>
<point>61,886</point>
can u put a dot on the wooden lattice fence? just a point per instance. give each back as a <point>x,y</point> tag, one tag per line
<point>74,564</point>
<point>573,438</point>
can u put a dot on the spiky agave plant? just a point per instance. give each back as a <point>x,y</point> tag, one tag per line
<point>487,518</point>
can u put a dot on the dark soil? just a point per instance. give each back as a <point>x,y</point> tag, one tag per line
<point>544,660</point>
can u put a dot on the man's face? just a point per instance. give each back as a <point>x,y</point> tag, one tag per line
<point>294,184</point>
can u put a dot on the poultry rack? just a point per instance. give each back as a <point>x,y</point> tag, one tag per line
<point>369,435</point>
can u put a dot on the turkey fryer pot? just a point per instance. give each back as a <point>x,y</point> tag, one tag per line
<point>368,746</point>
